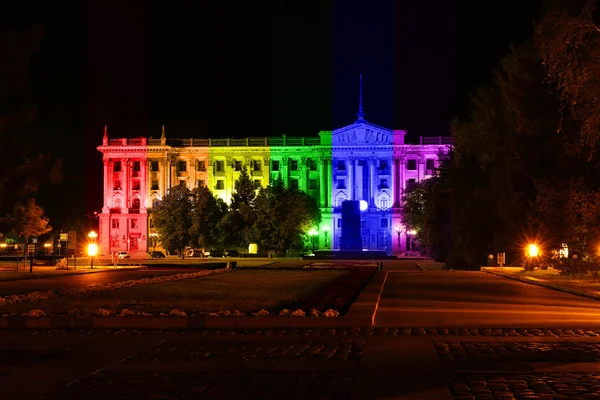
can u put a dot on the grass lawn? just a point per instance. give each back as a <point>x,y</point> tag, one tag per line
<point>242,290</point>
<point>553,276</point>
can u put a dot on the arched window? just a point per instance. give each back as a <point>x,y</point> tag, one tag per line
<point>384,203</point>
<point>135,204</point>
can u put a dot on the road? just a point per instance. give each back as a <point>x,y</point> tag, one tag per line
<point>446,299</point>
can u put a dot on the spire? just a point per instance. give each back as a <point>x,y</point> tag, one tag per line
<point>361,113</point>
<point>105,137</point>
<point>163,136</point>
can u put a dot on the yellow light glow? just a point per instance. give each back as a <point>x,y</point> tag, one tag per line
<point>47,245</point>
<point>533,250</point>
<point>412,232</point>
<point>313,232</point>
<point>92,249</point>
<point>325,228</point>
<point>3,244</point>
<point>92,235</point>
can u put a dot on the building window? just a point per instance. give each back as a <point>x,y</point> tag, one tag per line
<point>115,224</point>
<point>182,166</point>
<point>257,183</point>
<point>275,165</point>
<point>220,166</point>
<point>136,166</point>
<point>384,222</point>
<point>410,183</point>
<point>135,185</point>
<point>363,224</point>
<point>117,166</point>
<point>313,184</point>
<point>117,185</point>
<point>383,184</point>
<point>294,165</point>
<point>339,223</point>
<point>411,165</point>
<point>201,165</point>
<point>220,184</point>
<point>153,166</point>
<point>429,164</point>
<point>155,203</point>
<point>384,205</point>
<point>383,165</point>
<point>201,183</point>
<point>115,241</point>
<point>134,224</point>
<point>154,185</point>
<point>135,204</point>
<point>294,184</point>
<point>257,165</point>
<point>341,165</point>
<point>237,165</point>
<point>341,184</point>
<point>312,164</point>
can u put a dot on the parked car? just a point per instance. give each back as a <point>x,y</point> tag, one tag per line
<point>123,255</point>
<point>157,254</point>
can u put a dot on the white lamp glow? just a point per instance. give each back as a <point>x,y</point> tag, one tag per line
<point>363,205</point>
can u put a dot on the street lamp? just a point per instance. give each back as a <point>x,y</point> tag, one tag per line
<point>325,230</point>
<point>92,247</point>
<point>533,251</point>
<point>312,233</point>
<point>411,233</point>
<point>399,231</point>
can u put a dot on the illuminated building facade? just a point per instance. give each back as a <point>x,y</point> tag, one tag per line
<point>358,162</point>
<point>362,161</point>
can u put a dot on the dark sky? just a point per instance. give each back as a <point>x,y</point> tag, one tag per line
<point>240,68</point>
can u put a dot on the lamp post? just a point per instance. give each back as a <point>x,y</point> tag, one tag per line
<point>154,237</point>
<point>92,247</point>
<point>312,233</point>
<point>325,230</point>
<point>533,252</point>
<point>399,231</point>
<point>411,233</point>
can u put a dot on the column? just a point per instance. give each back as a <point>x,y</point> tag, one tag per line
<point>328,179</point>
<point>143,185</point>
<point>393,185</point>
<point>372,186</point>
<point>285,170</point>
<point>402,179</point>
<point>162,177</point>
<point>266,171</point>
<point>322,182</point>
<point>351,178</point>
<point>107,188</point>
<point>125,173</point>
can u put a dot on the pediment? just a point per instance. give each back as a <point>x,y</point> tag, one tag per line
<point>362,133</point>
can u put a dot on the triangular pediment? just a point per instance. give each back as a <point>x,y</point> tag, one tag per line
<point>362,132</point>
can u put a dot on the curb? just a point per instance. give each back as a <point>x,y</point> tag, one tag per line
<point>25,278</point>
<point>187,323</point>
<point>365,306</point>
<point>419,265</point>
<point>564,289</point>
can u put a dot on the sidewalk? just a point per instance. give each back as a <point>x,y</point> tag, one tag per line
<point>511,273</point>
<point>39,272</point>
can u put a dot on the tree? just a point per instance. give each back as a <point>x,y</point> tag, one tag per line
<point>173,219</point>
<point>569,41</point>
<point>238,222</point>
<point>283,218</point>
<point>207,213</point>
<point>28,221</point>
<point>21,170</point>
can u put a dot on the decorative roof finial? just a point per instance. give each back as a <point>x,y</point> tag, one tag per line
<point>361,113</point>
<point>163,136</point>
<point>105,137</point>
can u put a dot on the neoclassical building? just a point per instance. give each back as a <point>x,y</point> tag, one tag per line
<point>361,161</point>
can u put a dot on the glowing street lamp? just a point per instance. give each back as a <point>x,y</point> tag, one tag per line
<point>312,233</point>
<point>411,233</point>
<point>533,251</point>
<point>92,247</point>
<point>399,231</point>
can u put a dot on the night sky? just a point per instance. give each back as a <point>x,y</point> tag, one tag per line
<point>239,68</point>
